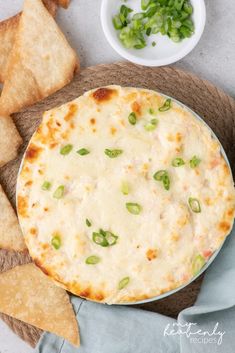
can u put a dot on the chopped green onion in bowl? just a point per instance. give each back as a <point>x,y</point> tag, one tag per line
<point>172,18</point>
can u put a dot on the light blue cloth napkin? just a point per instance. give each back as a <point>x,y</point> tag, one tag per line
<point>208,326</point>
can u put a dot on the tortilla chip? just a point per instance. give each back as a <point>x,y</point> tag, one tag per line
<point>8,30</point>
<point>28,295</point>
<point>10,140</point>
<point>11,237</point>
<point>63,3</point>
<point>41,60</point>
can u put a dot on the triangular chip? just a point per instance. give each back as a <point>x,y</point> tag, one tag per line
<point>8,30</point>
<point>28,295</point>
<point>41,60</point>
<point>10,140</point>
<point>11,237</point>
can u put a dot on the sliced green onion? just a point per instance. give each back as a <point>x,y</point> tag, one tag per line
<point>151,126</point>
<point>66,150</point>
<point>125,188</point>
<point>162,175</point>
<point>188,8</point>
<point>113,153</point>
<point>104,238</point>
<point>132,118</point>
<point>46,186</point>
<point>133,208</point>
<point>148,31</point>
<point>178,4</point>
<point>194,205</point>
<point>177,162</point>
<point>117,23</point>
<point>159,175</point>
<point>59,193</point>
<point>123,283</point>
<point>92,260</point>
<point>166,106</point>
<point>194,162</point>
<point>145,4</point>
<point>88,223</point>
<point>154,44</point>
<point>83,152</point>
<point>197,264</point>
<point>151,111</point>
<point>56,242</point>
<point>166,182</point>
<point>111,238</point>
<point>99,239</point>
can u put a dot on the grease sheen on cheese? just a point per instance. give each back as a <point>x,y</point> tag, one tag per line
<point>157,248</point>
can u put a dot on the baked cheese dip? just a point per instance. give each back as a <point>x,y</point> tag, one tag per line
<point>123,195</point>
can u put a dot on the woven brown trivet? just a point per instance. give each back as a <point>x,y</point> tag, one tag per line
<point>217,109</point>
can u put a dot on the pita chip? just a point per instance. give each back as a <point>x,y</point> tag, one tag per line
<point>10,140</point>
<point>11,237</point>
<point>8,30</point>
<point>28,295</point>
<point>41,60</point>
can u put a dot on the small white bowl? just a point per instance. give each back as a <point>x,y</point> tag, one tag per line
<point>166,51</point>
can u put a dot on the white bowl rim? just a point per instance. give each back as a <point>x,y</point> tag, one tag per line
<point>152,62</point>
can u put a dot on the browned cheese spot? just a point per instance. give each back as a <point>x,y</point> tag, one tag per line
<point>102,95</point>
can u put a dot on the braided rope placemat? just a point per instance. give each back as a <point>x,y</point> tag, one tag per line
<point>212,104</point>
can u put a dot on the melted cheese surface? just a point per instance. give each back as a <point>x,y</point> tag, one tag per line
<point>156,249</point>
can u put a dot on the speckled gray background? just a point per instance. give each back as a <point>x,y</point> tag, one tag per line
<point>213,59</point>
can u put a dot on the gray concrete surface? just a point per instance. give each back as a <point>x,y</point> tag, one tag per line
<point>213,59</point>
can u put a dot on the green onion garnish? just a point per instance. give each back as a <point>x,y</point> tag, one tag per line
<point>151,126</point>
<point>123,283</point>
<point>125,188</point>
<point>154,44</point>
<point>104,238</point>
<point>194,205</point>
<point>113,153</point>
<point>177,162</point>
<point>166,106</point>
<point>132,118</point>
<point>83,152</point>
<point>197,264</point>
<point>133,208</point>
<point>66,150</point>
<point>92,260</point>
<point>88,223</point>
<point>159,175</point>
<point>151,111</point>
<point>46,186</point>
<point>162,175</point>
<point>56,242</point>
<point>194,162</point>
<point>111,238</point>
<point>59,193</point>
